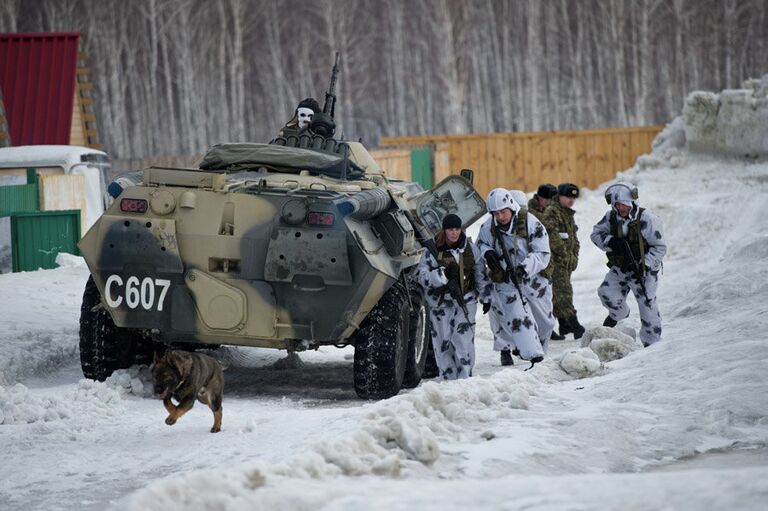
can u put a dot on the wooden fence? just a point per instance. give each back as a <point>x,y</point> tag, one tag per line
<point>525,160</point>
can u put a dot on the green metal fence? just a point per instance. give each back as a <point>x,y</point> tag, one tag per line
<point>38,237</point>
<point>18,199</point>
<point>421,167</point>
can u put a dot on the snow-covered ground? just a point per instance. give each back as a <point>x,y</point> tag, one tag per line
<point>680,425</point>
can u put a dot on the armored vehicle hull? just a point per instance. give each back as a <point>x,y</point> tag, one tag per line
<point>269,246</point>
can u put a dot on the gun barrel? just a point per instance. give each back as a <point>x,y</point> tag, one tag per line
<point>366,204</point>
<point>330,96</point>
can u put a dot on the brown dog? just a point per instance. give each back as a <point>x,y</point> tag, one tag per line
<point>185,376</point>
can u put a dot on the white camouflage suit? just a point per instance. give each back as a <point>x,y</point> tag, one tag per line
<point>538,293</point>
<point>617,283</point>
<point>515,325</point>
<point>452,333</point>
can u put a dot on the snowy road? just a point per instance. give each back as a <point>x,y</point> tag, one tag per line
<point>681,425</point>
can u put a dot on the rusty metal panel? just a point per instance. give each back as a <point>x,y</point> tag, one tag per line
<point>38,237</point>
<point>37,77</point>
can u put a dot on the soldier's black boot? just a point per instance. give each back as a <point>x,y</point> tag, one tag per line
<point>565,326</point>
<point>506,358</point>
<point>556,337</point>
<point>576,327</point>
<point>610,322</point>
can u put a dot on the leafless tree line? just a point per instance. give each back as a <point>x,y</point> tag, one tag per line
<point>175,76</point>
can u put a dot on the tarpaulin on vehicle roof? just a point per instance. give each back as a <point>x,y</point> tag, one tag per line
<point>237,157</point>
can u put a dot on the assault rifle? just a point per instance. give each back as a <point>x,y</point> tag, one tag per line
<point>638,269</point>
<point>330,96</point>
<point>508,261</point>
<point>428,243</point>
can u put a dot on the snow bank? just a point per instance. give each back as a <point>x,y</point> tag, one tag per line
<point>136,381</point>
<point>732,122</point>
<point>399,437</point>
<point>580,363</point>
<point>93,399</point>
<point>609,343</point>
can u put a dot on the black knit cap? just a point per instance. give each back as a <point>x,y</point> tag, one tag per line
<point>546,191</point>
<point>451,221</point>
<point>310,103</point>
<point>568,190</point>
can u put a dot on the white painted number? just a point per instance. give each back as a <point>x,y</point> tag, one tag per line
<point>136,292</point>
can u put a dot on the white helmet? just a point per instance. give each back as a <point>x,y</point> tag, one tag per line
<point>499,199</point>
<point>519,197</point>
<point>621,192</point>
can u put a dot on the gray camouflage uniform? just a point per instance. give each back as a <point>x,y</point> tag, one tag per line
<point>452,333</point>
<point>621,279</point>
<point>515,325</point>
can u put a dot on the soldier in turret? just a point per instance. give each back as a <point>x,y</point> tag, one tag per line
<point>564,243</point>
<point>302,117</point>
<point>454,282</point>
<point>633,239</point>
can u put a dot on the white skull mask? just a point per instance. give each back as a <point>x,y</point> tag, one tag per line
<point>304,116</point>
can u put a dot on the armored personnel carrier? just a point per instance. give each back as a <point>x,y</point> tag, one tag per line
<point>295,244</point>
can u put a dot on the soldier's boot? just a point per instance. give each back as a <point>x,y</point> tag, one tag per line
<point>556,337</point>
<point>610,322</point>
<point>576,327</point>
<point>506,358</point>
<point>565,326</point>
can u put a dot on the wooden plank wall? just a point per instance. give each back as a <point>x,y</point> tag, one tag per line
<point>525,160</point>
<point>64,192</point>
<point>396,163</point>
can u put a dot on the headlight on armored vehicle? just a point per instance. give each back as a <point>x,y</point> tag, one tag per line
<point>133,206</point>
<point>319,218</point>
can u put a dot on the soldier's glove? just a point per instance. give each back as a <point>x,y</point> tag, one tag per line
<point>495,272</point>
<point>493,261</point>
<point>486,307</point>
<point>520,273</point>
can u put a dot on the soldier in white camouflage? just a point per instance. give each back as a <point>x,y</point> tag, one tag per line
<point>515,246</point>
<point>452,328</point>
<point>633,239</point>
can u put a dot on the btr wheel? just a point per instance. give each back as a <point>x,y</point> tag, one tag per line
<point>104,347</point>
<point>419,339</point>
<point>381,346</point>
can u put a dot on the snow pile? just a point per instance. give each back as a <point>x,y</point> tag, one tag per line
<point>19,406</point>
<point>581,363</point>
<point>732,122</point>
<point>65,260</point>
<point>609,343</point>
<point>399,437</point>
<point>668,147</point>
<point>136,380</point>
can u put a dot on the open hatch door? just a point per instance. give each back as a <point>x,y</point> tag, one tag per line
<point>454,194</point>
